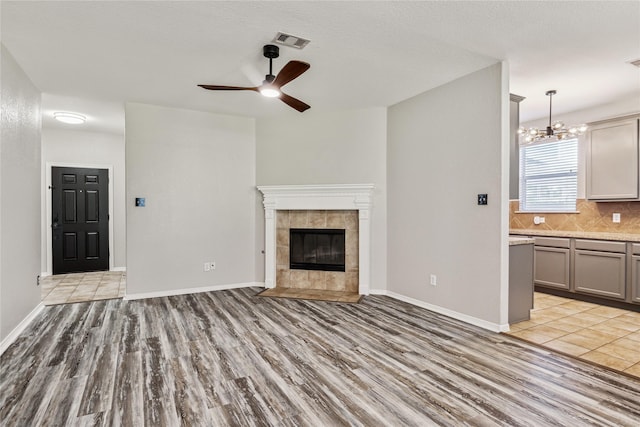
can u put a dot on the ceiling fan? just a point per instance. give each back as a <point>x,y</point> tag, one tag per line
<point>271,85</point>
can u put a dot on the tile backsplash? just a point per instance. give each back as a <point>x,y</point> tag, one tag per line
<point>593,216</point>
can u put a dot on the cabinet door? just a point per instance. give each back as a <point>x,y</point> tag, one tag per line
<point>612,161</point>
<point>635,278</point>
<point>551,267</point>
<point>600,273</point>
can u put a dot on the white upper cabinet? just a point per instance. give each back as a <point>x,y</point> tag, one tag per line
<point>613,158</point>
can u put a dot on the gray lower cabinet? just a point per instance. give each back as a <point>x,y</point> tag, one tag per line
<point>635,278</point>
<point>520,282</point>
<point>600,273</point>
<point>551,267</point>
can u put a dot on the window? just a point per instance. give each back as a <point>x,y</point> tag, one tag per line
<point>549,176</point>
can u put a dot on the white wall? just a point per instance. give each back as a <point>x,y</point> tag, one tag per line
<point>19,196</point>
<point>197,173</point>
<point>74,147</point>
<point>343,147</point>
<point>446,146</point>
<point>619,108</point>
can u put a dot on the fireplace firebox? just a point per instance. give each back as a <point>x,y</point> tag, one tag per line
<point>317,249</point>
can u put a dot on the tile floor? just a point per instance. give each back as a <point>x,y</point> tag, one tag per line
<point>312,294</point>
<point>80,287</point>
<point>605,335</point>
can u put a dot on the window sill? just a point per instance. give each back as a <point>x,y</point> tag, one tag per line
<point>547,212</point>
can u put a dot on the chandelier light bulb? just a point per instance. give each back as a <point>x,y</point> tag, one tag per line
<point>558,125</point>
<point>533,131</point>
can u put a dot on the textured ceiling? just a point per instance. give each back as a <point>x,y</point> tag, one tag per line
<point>362,54</point>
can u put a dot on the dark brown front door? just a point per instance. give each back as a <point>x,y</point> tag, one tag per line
<point>80,219</point>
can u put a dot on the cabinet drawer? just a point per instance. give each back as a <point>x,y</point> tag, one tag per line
<point>636,248</point>
<point>552,242</point>
<point>600,273</point>
<point>602,246</point>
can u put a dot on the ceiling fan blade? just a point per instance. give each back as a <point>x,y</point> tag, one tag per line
<point>217,87</point>
<point>294,103</point>
<point>292,70</point>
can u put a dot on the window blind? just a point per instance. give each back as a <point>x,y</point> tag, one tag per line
<point>549,176</point>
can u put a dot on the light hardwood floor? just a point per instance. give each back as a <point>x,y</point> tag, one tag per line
<point>230,358</point>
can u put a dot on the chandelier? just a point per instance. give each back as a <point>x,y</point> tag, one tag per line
<point>554,131</point>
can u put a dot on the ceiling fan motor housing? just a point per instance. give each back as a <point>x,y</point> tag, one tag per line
<point>270,51</point>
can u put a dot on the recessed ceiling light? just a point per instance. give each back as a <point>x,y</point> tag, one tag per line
<point>70,118</point>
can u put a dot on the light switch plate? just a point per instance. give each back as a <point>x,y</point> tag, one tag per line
<point>616,217</point>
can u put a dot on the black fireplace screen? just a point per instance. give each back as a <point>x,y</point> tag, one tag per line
<point>316,249</point>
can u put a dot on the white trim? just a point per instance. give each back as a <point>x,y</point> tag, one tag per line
<point>46,221</point>
<point>493,327</point>
<point>378,292</point>
<point>118,269</point>
<point>13,335</point>
<point>173,292</point>
<point>44,274</point>
<point>319,197</point>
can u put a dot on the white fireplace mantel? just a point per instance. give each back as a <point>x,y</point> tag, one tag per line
<point>319,197</point>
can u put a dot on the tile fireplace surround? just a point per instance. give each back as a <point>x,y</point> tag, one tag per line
<point>356,197</point>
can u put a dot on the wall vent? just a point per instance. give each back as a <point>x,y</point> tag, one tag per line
<point>636,63</point>
<point>291,41</point>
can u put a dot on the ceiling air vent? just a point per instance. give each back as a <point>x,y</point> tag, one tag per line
<point>636,63</point>
<point>291,41</point>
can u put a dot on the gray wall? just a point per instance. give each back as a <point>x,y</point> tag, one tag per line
<point>444,147</point>
<point>62,146</point>
<point>19,196</point>
<point>197,173</point>
<point>344,147</point>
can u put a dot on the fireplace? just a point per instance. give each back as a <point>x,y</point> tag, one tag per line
<point>317,249</point>
<point>333,206</point>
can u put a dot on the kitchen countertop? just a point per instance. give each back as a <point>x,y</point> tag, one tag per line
<point>621,237</point>
<point>520,240</point>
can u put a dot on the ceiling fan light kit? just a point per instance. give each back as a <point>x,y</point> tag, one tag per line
<point>271,86</point>
<point>555,130</point>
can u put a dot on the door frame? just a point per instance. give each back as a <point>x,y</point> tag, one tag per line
<point>47,210</point>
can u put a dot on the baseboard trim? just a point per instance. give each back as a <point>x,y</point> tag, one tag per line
<point>173,292</point>
<point>13,335</point>
<point>493,327</point>
<point>377,292</point>
<point>119,269</point>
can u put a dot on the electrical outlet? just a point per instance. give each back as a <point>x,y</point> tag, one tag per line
<point>616,218</point>
<point>213,265</point>
<point>207,266</point>
<point>433,280</point>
